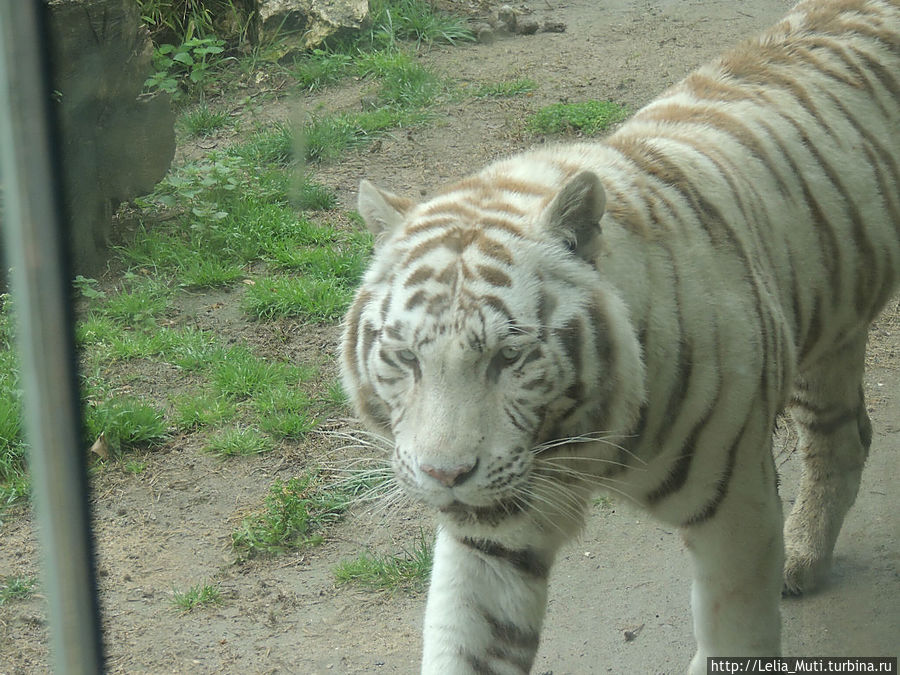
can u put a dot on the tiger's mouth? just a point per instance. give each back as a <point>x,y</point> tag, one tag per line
<point>483,515</point>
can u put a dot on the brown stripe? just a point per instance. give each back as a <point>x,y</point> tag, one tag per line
<point>498,306</point>
<point>421,275</point>
<point>494,249</point>
<point>493,276</point>
<point>353,336</point>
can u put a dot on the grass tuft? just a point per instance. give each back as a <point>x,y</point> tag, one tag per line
<point>587,117</point>
<point>203,121</point>
<point>125,423</point>
<point>16,588</point>
<point>506,89</point>
<point>408,571</point>
<point>195,597</point>
<point>238,441</point>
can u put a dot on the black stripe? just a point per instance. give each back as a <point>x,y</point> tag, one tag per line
<point>526,561</point>
<point>710,508</point>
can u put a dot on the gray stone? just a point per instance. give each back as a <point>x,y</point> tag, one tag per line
<point>316,21</point>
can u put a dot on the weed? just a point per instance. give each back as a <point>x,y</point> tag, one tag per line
<point>238,441</point>
<point>408,571</point>
<point>16,588</point>
<point>200,595</point>
<point>588,117</point>
<point>506,89</point>
<point>295,516</point>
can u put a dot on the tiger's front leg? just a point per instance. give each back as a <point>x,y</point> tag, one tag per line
<point>738,555</point>
<point>485,606</point>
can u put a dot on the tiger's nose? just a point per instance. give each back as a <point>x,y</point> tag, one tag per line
<point>453,476</point>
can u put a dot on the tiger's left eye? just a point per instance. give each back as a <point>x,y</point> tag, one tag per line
<point>407,355</point>
<point>510,354</point>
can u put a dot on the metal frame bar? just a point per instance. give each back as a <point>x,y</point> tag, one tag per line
<point>36,247</point>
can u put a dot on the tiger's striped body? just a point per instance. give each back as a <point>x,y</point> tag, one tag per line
<point>521,356</point>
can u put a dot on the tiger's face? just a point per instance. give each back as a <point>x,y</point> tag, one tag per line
<point>473,341</point>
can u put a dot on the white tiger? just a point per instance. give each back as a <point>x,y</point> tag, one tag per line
<point>632,315</point>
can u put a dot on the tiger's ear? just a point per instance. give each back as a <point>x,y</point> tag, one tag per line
<point>381,210</point>
<point>574,214</point>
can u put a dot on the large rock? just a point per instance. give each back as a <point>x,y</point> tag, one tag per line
<point>116,143</point>
<point>316,21</point>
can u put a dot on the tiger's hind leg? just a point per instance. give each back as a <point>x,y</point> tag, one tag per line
<point>834,432</point>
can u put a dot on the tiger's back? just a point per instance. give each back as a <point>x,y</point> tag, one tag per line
<point>633,315</point>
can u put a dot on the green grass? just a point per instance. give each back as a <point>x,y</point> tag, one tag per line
<point>321,68</point>
<point>406,571</point>
<point>195,597</point>
<point>296,515</point>
<point>238,441</point>
<point>126,423</point>
<point>317,300</point>
<point>203,120</point>
<point>16,588</point>
<point>285,412</point>
<point>587,117</point>
<point>397,20</point>
<point>506,89</point>
<point>197,411</point>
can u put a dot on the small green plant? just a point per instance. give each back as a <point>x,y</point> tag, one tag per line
<point>16,588</point>
<point>135,467</point>
<point>238,441</point>
<point>185,67</point>
<point>200,595</point>
<point>296,515</point>
<point>87,287</point>
<point>506,89</point>
<point>587,117</point>
<point>408,571</point>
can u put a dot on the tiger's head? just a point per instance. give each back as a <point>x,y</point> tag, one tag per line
<point>484,334</point>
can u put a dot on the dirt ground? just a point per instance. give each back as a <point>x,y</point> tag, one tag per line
<point>170,526</point>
